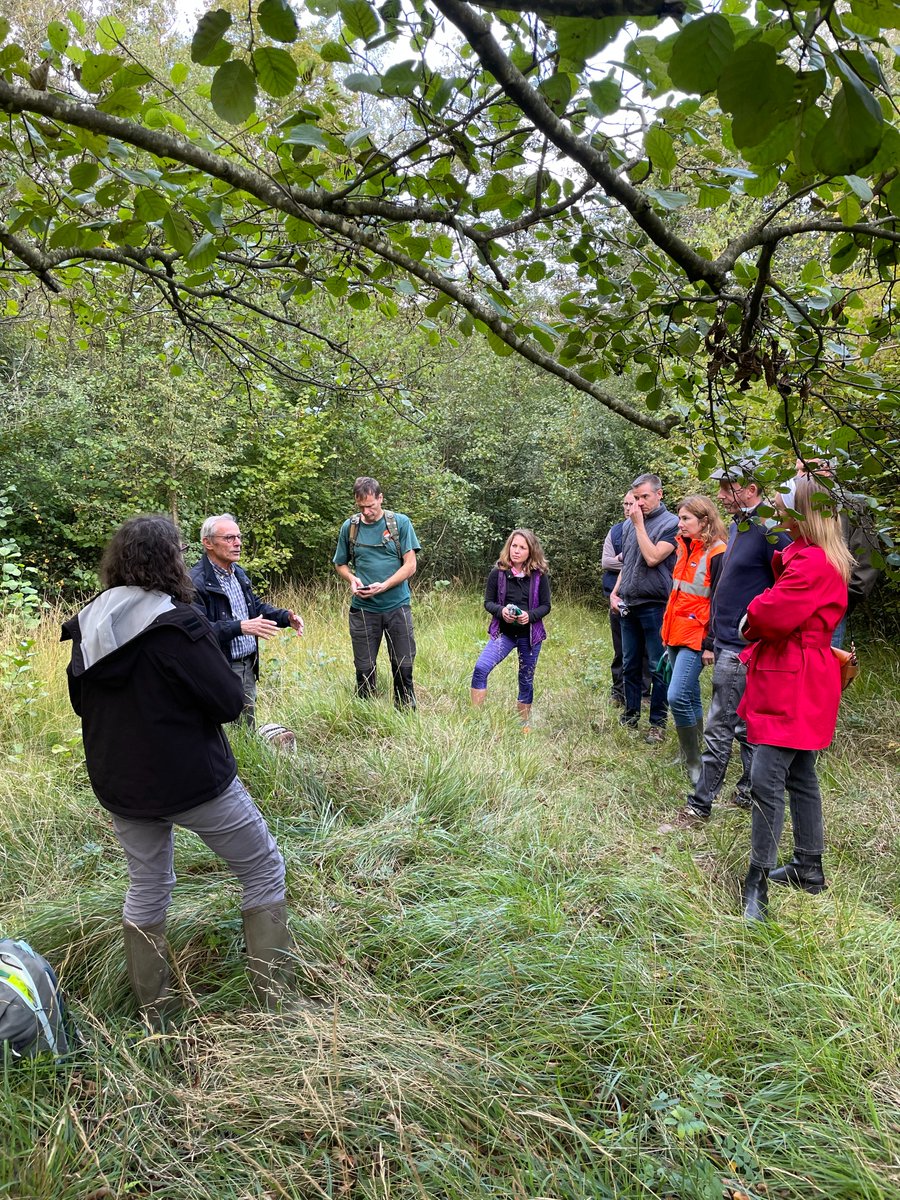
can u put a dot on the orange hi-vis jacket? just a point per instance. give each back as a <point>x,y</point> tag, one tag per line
<point>686,619</point>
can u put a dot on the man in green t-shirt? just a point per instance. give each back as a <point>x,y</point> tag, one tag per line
<point>376,554</point>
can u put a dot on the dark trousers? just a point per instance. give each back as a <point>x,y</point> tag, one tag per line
<point>723,727</point>
<point>776,770</point>
<point>641,637</point>
<point>618,686</point>
<point>366,632</point>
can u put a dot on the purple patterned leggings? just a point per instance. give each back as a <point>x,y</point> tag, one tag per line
<point>496,650</point>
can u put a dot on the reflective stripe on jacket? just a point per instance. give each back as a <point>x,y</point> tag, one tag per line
<point>686,619</point>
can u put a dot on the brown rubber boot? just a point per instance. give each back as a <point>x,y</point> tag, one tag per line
<point>146,956</point>
<point>269,947</point>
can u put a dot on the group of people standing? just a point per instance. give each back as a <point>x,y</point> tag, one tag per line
<point>762,605</point>
<point>163,657</point>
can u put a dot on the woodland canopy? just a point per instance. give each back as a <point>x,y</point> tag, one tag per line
<point>684,218</point>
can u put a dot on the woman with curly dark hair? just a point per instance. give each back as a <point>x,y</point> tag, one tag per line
<point>152,688</point>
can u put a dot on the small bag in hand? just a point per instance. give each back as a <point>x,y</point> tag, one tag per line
<point>848,663</point>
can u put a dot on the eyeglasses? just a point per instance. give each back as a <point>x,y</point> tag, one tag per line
<point>182,546</point>
<point>229,537</point>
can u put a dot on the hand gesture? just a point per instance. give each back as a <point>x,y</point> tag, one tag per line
<point>523,618</point>
<point>296,623</point>
<point>260,627</point>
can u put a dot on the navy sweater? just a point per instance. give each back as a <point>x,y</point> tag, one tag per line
<point>746,571</point>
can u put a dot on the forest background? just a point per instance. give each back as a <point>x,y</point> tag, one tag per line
<point>186,380</point>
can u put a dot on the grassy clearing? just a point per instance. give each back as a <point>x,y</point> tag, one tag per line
<point>515,985</point>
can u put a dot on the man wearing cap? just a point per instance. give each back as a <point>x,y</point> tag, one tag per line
<point>746,571</point>
<point>640,596</point>
<point>238,617</point>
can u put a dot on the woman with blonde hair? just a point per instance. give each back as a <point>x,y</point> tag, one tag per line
<point>517,596</point>
<point>700,542</point>
<point>793,691</point>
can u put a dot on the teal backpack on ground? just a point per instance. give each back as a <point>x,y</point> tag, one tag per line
<point>33,1018</point>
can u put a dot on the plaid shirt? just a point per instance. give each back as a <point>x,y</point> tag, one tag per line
<point>243,646</point>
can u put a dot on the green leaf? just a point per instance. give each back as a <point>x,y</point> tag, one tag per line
<point>660,148</point>
<point>275,70</point>
<point>892,196</point>
<point>179,73</point>
<point>149,205</point>
<point>97,68</point>
<point>699,53</point>
<point>359,301</point>
<point>848,209</point>
<point>203,253</point>
<point>110,33</point>
<point>209,32</point>
<point>306,135</point>
<point>335,52</point>
<point>558,90</point>
<point>850,136</point>
<point>667,199</point>
<point>277,20</point>
<point>84,175</point>
<point>497,344</point>
<point>757,90</point>
<point>358,82</point>
<point>58,35</point>
<point>233,92</point>
<point>360,20</point>
<point>536,271</point>
<point>4,29</point>
<point>606,95</point>
<point>337,286</point>
<point>123,102</point>
<point>77,22</point>
<point>178,230</point>
<point>579,38</point>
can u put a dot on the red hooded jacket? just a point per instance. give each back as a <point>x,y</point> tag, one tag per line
<point>793,679</point>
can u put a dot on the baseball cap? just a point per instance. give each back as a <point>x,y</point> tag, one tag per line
<point>742,470</point>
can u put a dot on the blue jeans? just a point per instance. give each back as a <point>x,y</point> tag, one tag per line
<point>684,687</point>
<point>640,636</point>
<point>723,725</point>
<point>496,650</point>
<point>777,769</point>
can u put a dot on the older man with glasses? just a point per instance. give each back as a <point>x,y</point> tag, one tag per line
<point>238,617</point>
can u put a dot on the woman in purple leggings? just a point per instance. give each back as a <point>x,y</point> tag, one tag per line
<point>517,595</point>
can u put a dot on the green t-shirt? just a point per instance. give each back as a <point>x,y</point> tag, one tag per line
<point>377,559</point>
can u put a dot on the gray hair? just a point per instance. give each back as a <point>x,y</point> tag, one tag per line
<point>654,481</point>
<point>209,526</point>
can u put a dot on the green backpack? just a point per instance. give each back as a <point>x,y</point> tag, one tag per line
<point>390,519</point>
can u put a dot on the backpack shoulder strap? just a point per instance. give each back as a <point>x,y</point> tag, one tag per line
<point>390,519</point>
<point>351,535</point>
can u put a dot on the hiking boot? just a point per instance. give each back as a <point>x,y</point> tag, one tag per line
<point>755,894</point>
<point>741,800</point>
<point>655,735</point>
<point>803,871</point>
<point>629,720</point>
<point>689,818</point>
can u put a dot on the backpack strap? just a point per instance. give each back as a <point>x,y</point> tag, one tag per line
<point>393,528</point>
<point>16,975</point>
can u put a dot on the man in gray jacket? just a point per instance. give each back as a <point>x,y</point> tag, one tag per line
<point>640,597</point>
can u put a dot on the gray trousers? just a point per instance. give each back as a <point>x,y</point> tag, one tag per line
<point>776,770</point>
<point>231,825</point>
<point>723,725</point>
<point>243,668</point>
<point>366,632</point>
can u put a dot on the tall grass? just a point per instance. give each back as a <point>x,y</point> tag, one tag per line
<point>512,984</point>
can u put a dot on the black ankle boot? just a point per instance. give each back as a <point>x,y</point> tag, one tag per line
<point>756,894</point>
<point>803,871</point>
